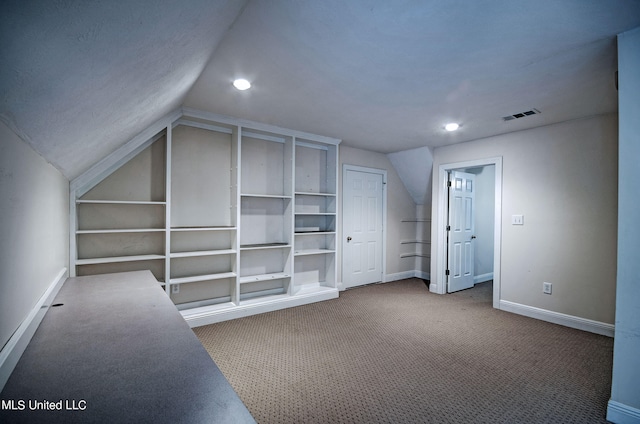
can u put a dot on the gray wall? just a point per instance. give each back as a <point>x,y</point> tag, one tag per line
<point>563,179</point>
<point>400,205</point>
<point>626,349</point>
<point>34,229</point>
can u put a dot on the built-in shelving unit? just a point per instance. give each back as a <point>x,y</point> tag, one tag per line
<point>232,217</point>
<point>120,222</point>
<point>418,248</point>
<point>315,216</point>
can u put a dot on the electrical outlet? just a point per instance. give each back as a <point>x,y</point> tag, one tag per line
<point>175,289</point>
<point>546,288</point>
<point>517,219</point>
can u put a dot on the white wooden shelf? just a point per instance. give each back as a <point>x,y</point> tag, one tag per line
<point>206,277</point>
<point>264,246</point>
<point>266,196</point>
<point>307,252</point>
<point>181,229</point>
<point>415,241</point>
<point>115,259</point>
<point>196,253</point>
<point>314,233</point>
<point>119,202</point>
<point>315,214</point>
<point>415,220</point>
<point>307,193</point>
<point>121,230</point>
<point>263,277</point>
<point>414,255</point>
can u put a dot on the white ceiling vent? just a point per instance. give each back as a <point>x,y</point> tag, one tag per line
<point>521,115</point>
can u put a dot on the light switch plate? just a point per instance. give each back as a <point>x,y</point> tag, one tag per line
<point>517,219</point>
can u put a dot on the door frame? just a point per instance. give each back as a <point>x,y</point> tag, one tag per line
<point>438,282</point>
<point>383,173</point>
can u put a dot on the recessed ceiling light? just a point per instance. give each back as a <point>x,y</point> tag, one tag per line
<point>242,84</point>
<point>452,126</point>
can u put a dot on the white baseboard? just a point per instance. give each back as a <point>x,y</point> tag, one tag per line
<point>558,318</point>
<point>219,315</point>
<point>423,275</point>
<point>406,274</point>
<point>12,351</point>
<point>620,413</point>
<point>482,278</point>
<point>387,278</point>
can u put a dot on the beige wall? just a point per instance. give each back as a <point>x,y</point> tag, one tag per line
<point>34,228</point>
<point>399,205</point>
<point>563,179</point>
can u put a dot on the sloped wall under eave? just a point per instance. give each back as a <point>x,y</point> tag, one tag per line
<point>415,169</point>
<point>82,77</point>
<point>34,223</point>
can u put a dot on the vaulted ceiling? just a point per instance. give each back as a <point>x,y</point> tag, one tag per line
<point>79,78</point>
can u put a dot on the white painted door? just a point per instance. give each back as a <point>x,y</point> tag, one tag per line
<point>362,228</point>
<point>461,231</point>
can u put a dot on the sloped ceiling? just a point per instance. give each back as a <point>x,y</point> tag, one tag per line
<point>387,75</point>
<point>79,78</point>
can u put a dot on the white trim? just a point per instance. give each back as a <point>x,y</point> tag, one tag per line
<point>12,351</point>
<point>477,279</point>
<point>168,149</point>
<point>98,172</point>
<point>438,224</point>
<point>199,114</point>
<point>387,278</point>
<point>202,126</point>
<point>233,312</point>
<point>383,173</point>
<point>584,324</point>
<point>422,275</point>
<point>620,413</point>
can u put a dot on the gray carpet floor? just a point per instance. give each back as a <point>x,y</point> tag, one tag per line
<point>396,353</point>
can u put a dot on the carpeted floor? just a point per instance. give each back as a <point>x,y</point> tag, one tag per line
<point>395,353</point>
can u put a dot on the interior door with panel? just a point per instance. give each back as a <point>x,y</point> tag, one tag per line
<point>363,226</point>
<point>460,232</point>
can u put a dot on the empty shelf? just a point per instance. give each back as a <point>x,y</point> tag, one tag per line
<point>196,278</point>
<point>414,255</point>
<point>304,252</point>
<point>202,253</point>
<point>263,277</point>
<point>115,259</point>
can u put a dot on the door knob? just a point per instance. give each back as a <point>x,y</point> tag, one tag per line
<point>349,239</point>
<point>472,237</point>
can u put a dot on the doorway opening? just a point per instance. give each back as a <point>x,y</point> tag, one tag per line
<point>439,258</point>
